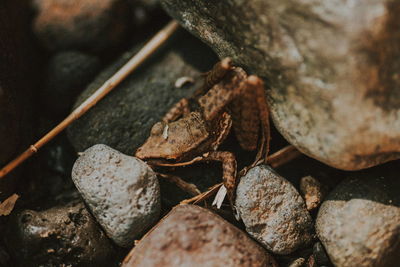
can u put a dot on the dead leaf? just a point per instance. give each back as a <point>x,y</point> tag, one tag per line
<point>8,205</point>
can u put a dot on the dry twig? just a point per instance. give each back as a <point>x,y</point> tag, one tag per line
<point>110,84</point>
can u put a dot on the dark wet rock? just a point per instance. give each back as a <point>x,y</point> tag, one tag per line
<point>124,118</point>
<point>312,192</point>
<point>4,257</point>
<point>60,236</point>
<point>121,191</point>
<point>193,236</point>
<point>331,67</point>
<point>273,211</point>
<point>359,222</point>
<point>319,253</point>
<point>67,75</point>
<point>82,24</point>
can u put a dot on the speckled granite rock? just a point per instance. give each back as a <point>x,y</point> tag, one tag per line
<point>121,191</point>
<point>331,67</point>
<point>193,236</point>
<point>60,236</point>
<point>359,223</point>
<point>124,118</point>
<point>273,211</point>
<point>80,24</point>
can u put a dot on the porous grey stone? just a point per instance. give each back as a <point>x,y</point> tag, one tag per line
<point>121,191</point>
<point>359,223</point>
<point>192,236</point>
<point>331,67</point>
<point>273,211</point>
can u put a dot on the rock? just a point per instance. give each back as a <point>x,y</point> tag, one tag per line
<point>17,82</point>
<point>122,192</point>
<point>311,190</point>
<point>124,118</point>
<point>60,236</point>
<point>4,257</point>
<point>81,24</point>
<point>359,222</point>
<point>193,236</point>
<point>68,73</point>
<point>297,263</point>
<point>319,254</point>
<point>331,67</point>
<point>273,211</point>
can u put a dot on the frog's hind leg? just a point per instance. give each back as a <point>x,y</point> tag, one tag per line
<point>214,76</point>
<point>250,114</point>
<point>178,110</point>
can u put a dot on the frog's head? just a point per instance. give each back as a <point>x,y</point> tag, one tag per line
<point>172,141</point>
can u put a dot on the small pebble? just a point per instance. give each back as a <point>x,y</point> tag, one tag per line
<point>81,24</point>
<point>60,236</point>
<point>319,253</point>
<point>311,191</point>
<point>359,223</point>
<point>121,191</point>
<point>273,211</point>
<point>193,236</point>
<point>297,263</point>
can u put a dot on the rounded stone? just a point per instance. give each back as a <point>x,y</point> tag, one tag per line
<point>193,236</point>
<point>67,75</point>
<point>121,191</point>
<point>359,223</point>
<point>81,24</point>
<point>273,211</point>
<point>61,236</point>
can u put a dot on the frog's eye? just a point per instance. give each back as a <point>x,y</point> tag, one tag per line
<point>157,129</point>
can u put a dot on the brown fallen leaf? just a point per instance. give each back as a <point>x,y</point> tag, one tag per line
<point>8,205</point>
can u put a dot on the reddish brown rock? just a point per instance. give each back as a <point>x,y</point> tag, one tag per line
<point>332,68</point>
<point>193,236</point>
<point>81,24</point>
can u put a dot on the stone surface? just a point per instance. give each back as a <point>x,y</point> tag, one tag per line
<point>312,192</point>
<point>80,24</point>
<point>60,236</point>
<point>273,211</point>
<point>331,67</point>
<point>359,223</point>
<point>121,191</point>
<point>17,81</point>
<point>124,118</point>
<point>319,253</point>
<point>193,236</point>
<point>67,75</point>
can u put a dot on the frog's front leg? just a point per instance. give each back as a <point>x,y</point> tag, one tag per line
<point>178,110</point>
<point>229,169</point>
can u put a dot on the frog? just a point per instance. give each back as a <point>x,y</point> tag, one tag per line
<point>228,99</point>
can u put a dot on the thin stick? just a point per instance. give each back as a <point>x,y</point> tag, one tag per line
<point>275,160</point>
<point>110,84</point>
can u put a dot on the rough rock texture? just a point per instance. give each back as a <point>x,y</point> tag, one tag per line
<point>121,191</point>
<point>193,236</point>
<point>80,24</point>
<point>312,192</point>
<point>331,67</point>
<point>67,75</point>
<point>359,223</point>
<point>124,118</point>
<point>60,236</point>
<point>273,211</point>
<point>16,83</point>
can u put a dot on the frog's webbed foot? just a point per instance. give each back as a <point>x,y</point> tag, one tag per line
<point>178,110</point>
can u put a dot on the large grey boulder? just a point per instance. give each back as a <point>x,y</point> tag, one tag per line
<point>331,68</point>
